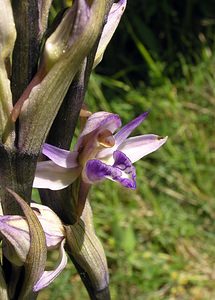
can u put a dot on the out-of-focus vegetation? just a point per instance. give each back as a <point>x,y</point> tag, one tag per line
<point>159,240</point>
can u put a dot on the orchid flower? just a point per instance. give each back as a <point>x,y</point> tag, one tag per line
<point>14,231</point>
<point>98,154</point>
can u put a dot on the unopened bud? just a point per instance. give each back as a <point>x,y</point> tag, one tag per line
<point>15,233</point>
<point>69,29</point>
<point>7,29</point>
<point>87,250</point>
<point>7,40</point>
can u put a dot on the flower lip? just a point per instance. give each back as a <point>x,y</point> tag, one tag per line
<point>121,171</point>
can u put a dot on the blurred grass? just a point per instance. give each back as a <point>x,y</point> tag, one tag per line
<point>159,239</point>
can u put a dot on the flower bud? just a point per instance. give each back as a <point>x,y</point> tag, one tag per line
<point>58,43</point>
<point>87,250</point>
<point>64,52</point>
<point>7,40</point>
<point>15,233</point>
<point>69,30</point>
<point>7,29</point>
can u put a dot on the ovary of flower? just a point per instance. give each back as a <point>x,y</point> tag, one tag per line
<point>15,232</point>
<point>98,154</point>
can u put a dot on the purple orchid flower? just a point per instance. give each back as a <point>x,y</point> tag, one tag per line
<point>98,154</point>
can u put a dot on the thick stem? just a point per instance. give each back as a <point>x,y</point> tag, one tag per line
<point>17,173</point>
<point>26,50</point>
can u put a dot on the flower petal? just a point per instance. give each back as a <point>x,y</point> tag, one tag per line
<point>139,146</point>
<point>122,135</point>
<point>61,157</point>
<point>113,19</point>
<point>123,163</point>
<point>51,176</point>
<point>14,229</point>
<point>126,130</point>
<point>99,121</point>
<point>49,276</point>
<point>52,225</point>
<point>122,171</point>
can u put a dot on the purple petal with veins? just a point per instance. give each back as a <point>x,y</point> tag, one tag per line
<point>126,130</point>
<point>17,240</point>
<point>122,162</point>
<point>122,135</point>
<point>61,157</point>
<point>97,171</point>
<point>122,170</point>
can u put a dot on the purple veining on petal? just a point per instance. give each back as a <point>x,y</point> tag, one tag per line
<point>122,162</point>
<point>100,119</point>
<point>17,240</point>
<point>126,130</point>
<point>8,226</point>
<point>122,171</point>
<point>61,157</point>
<point>97,171</point>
